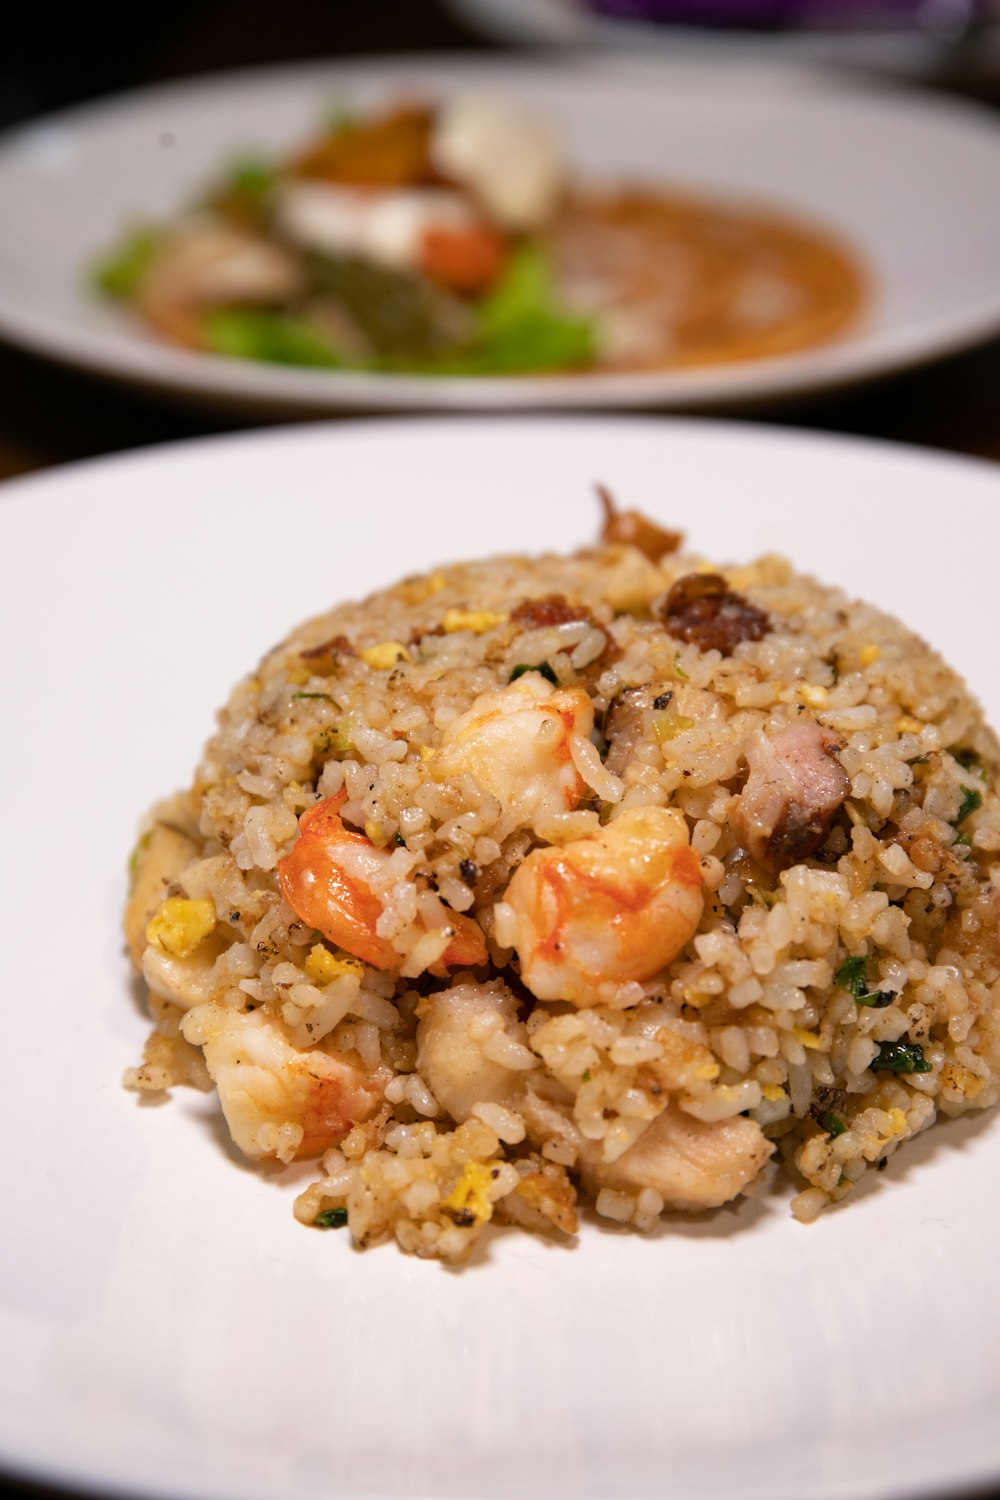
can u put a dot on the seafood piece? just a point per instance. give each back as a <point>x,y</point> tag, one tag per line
<point>327,880</point>
<point>203,265</point>
<point>608,909</point>
<point>516,743</point>
<point>278,1102</point>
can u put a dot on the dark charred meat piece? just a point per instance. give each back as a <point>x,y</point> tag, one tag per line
<point>625,722</point>
<point>795,786</point>
<point>553,609</point>
<point>633,529</point>
<point>703,610</point>
<point>323,659</point>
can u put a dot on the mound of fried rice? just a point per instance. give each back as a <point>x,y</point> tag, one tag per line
<point>840,988</point>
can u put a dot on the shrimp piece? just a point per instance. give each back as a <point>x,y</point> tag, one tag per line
<point>516,744</point>
<point>278,1101</point>
<point>607,909</point>
<point>327,880</point>
<point>212,265</point>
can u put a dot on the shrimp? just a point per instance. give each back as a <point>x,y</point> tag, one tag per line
<point>277,1100</point>
<point>516,743</point>
<point>327,880</point>
<point>611,908</point>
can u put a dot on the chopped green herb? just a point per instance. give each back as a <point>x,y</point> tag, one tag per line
<point>400,841</point>
<point>249,183</point>
<point>331,742</point>
<point>900,1057</point>
<point>325,696</point>
<point>331,1218</point>
<point>852,976</point>
<point>831,1123</point>
<point>587,1076</point>
<point>971,801</point>
<point>542,667</point>
<point>965,839</point>
<point>678,669</point>
<point>120,272</point>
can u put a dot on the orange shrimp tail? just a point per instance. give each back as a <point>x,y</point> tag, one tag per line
<point>468,946</point>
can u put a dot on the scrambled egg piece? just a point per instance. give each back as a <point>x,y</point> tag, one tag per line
<point>470,1195</point>
<point>323,967</point>
<point>384,656</point>
<point>868,655</point>
<point>179,925</point>
<point>476,620</point>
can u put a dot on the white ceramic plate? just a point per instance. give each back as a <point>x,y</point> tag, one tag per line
<point>166,1328</point>
<point>911,181</point>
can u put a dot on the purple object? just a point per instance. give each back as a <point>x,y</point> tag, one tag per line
<point>834,15</point>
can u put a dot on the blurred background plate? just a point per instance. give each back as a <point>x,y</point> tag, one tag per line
<point>167,1329</point>
<point>904,38</point>
<point>910,181</point>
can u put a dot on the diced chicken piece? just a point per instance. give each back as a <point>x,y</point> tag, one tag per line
<point>625,723</point>
<point>159,860</point>
<point>691,1164</point>
<point>278,1101</point>
<point>795,786</point>
<point>455,1064</point>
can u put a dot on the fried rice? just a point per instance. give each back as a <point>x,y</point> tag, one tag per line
<point>601,880</point>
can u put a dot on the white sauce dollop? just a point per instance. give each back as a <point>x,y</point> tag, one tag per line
<point>387,227</point>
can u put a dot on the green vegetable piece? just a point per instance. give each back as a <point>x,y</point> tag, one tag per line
<point>325,696</point>
<point>276,338</point>
<point>408,321</point>
<point>400,841</point>
<point>852,976</point>
<point>521,326</point>
<point>678,669</point>
<point>831,1123</point>
<point>331,1218</point>
<point>121,271</point>
<point>542,667</point>
<point>971,800</point>
<point>900,1057</point>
